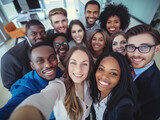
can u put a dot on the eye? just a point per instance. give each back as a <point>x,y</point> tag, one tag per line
<point>73,31</point>
<point>73,63</point>
<point>100,69</point>
<point>52,58</point>
<point>56,22</point>
<point>123,42</point>
<point>113,73</point>
<point>84,64</point>
<point>93,38</point>
<point>101,39</point>
<point>115,43</point>
<point>65,43</point>
<point>80,30</point>
<point>34,33</point>
<point>40,61</point>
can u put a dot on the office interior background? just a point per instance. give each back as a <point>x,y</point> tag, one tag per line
<point>21,11</point>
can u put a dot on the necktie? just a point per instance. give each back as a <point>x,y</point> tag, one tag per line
<point>133,73</point>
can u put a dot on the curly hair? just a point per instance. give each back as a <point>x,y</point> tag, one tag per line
<point>111,10</point>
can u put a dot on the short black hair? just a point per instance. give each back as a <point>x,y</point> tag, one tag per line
<point>29,51</point>
<point>51,37</point>
<point>92,2</point>
<point>32,23</point>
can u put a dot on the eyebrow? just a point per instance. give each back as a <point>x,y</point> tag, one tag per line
<point>82,61</point>
<point>111,69</point>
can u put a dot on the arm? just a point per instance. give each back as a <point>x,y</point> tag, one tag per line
<point>45,100</point>
<point>27,113</point>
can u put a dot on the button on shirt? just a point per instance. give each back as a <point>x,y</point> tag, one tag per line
<point>99,108</point>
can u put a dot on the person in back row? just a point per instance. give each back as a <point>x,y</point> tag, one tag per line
<point>43,61</point>
<point>15,62</point>
<point>92,9</point>
<point>60,43</point>
<point>143,43</point>
<point>59,21</point>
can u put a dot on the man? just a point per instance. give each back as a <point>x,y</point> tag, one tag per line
<point>43,61</point>
<point>59,41</point>
<point>15,62</point>
<point>91,12</point>
<point>59,21</point>
<point>143,44</point>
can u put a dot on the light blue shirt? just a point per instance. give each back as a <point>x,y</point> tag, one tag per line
<point>138,72</point>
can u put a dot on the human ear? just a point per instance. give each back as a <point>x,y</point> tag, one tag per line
<point>157,50</point>
<point>32,65</point>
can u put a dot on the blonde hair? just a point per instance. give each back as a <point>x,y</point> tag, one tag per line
<point>57,11</point>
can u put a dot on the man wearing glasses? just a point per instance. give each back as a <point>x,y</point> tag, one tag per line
<point>59,41</point>
<point>143,44</point>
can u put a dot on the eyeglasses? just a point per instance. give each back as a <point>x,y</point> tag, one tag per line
<point>141,49</point>
<point>58,45</point>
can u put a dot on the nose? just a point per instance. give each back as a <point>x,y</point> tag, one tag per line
<point>136,52</point>
<point>48,64</point>
<point>78,68</point>
<point>39,35</point>
<point>91,14</point>
<point>112,23</point>
<point>60,24</point>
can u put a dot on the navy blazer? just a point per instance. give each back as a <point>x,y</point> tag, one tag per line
<point>15,64</point>
<point>124,110</point>
<point>148,84</point>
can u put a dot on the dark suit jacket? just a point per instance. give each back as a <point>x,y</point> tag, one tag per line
<point>124,110</point>
<point>15,64</point>
<point>148,84</point>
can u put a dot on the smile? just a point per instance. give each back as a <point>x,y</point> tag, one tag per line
<point>103,84</point>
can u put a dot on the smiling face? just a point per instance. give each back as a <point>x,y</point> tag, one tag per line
<point>113,24</point>
<point>59,23</point>
<point>78,67</point>
<point>44,61</point>
<point>140,60</point>
<point>91,14</point>
<point>107,75</point>
<point>62,49</point>
<point>36,34</point>
<point>119,44</point>
<point>77,33</point>
<point>98,42</point>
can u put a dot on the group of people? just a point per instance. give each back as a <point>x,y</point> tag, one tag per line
<point>88,70</point>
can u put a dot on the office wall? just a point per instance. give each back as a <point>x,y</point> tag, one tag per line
<point>143,10</point>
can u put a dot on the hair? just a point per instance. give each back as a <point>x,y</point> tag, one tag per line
<point>93,2</point>
<point>57,11</point>
<point>51,37</point>
<point>71,102</point>
<point>111,10</point>
<point>112,37</point>
<point>104,34</point>
<point>32,23</point>
<point>125,87</point>
<point>144,28</point>
<point>76,22</point>
<point>29,51</point>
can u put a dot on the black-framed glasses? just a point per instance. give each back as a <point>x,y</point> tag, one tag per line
<point>58,45</point>
<point>141,49</point>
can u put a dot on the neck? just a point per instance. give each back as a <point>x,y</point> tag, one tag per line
<point>79,87</point>
<point>96,54</point>
<point>104,94</point>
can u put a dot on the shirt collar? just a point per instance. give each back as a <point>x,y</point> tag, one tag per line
<point>138,72</point>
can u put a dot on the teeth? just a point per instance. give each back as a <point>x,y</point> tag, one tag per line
<point>112,28</point>
<point>96,46</point>
<point>103,83</point>
<point>49,71</point>
<point>78,75</point>
<point>137,60</point>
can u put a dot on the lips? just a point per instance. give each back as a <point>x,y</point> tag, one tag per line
<point>39,40</point>
<point>77,75</point>
<point>103,83</point>
<point>49,71</point>
<point>136,60</point>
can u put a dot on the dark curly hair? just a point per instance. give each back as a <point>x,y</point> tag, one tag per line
<point>111,10</point>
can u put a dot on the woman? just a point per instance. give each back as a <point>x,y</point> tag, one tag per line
<point>114,17</point>
<point>76,33</point>
<point>69,98</point>
<point>98,43</point>
<point>117,42</point>
<point>112,89</point>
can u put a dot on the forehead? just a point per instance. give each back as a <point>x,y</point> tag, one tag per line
<point>98,34</point>
<point>58,17</point>
<point>42,51</point>
<point>36,28</point>
<point>119,38</point>
<point>76,26</point>
<point>140,39</point>
<point>110,63</point>
<point>92,7</point>
<point>59,39</point>
<point>79,56</point>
